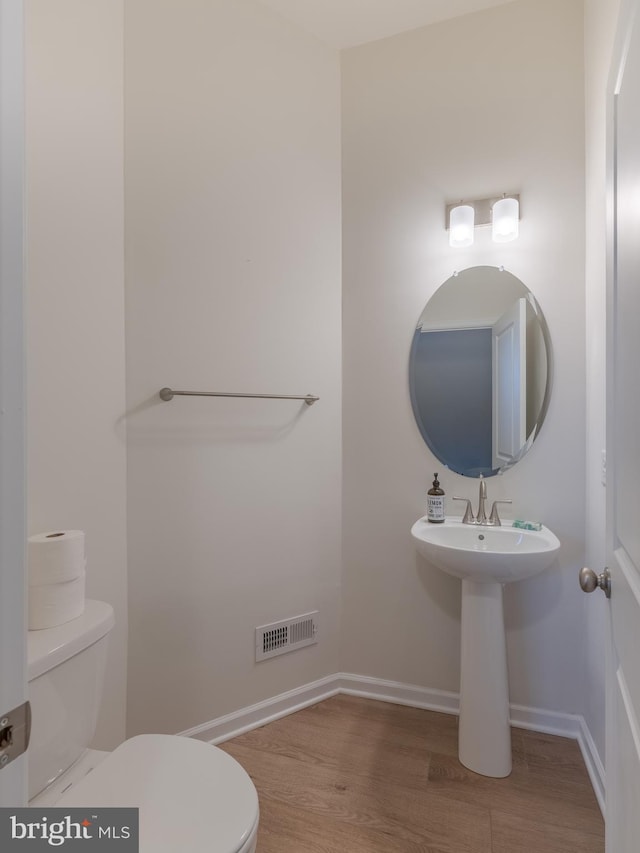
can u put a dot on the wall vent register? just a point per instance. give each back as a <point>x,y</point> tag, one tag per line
<point>278,638</point>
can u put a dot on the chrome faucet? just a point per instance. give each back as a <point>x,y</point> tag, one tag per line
<point>481,517</point>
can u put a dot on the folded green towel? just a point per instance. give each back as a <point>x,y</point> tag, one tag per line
<point>527,525</point>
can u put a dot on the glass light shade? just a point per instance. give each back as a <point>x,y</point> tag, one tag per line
<point>505,215</point>
<point>461,220</point>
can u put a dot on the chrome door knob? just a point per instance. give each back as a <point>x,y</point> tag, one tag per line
<point>589,581</point>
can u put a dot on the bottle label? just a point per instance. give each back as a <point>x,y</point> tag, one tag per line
<point>435,507</point>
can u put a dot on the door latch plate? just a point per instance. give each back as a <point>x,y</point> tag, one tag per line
<point>15,733</point>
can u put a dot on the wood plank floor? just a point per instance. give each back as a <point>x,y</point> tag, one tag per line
<point>353,775</point>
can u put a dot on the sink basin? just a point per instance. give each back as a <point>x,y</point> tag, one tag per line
<point>485,554</point>
<point>485,558</point>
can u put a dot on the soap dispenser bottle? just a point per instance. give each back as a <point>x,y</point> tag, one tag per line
<point>435,502</point>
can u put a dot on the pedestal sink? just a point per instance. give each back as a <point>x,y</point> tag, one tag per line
<point>484,558</point>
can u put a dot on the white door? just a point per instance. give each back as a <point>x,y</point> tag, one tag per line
<point>508,342</point>
<point>623,441</point>
<point>12,474</point>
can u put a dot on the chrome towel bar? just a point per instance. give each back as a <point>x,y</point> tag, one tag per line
<point>167,394</point>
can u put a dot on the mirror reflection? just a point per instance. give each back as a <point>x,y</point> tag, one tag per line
<point>479,371</point>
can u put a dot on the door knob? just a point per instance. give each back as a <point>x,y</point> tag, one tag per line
<point>589,581</point>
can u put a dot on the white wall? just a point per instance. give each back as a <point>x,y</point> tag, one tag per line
<point>600,23</point>
<point>233,284</point>
<point>75,299</point>
<point>487,103</point>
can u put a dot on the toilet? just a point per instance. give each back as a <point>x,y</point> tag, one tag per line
<point>190,795</point>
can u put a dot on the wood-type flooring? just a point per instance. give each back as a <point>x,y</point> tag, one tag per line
<point>354,775</point>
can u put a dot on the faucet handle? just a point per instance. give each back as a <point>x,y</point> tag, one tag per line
<point>494,518</point>
<point>468,513</point>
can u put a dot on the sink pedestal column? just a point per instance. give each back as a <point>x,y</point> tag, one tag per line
<point>484,739</point>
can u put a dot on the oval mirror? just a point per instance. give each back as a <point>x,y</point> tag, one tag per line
<point>480,371</point>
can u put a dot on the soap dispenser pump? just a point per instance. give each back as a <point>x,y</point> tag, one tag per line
<point>435,502</point>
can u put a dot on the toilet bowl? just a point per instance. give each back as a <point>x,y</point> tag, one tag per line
<point>190,795</point>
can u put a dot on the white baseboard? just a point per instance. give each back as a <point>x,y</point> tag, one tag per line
<point>254,716</point>
<point>549,722</point>
<point>535,719</point>
<point>398,693</point>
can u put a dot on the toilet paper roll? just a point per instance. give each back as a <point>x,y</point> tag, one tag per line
<point>55,557</point>
<point>55,603</point>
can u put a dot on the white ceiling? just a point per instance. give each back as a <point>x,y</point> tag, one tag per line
<point>345,23</point>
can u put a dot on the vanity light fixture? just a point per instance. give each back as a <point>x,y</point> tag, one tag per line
<point>461,222</point>
<point>505,216</point>
<point>501,212</point>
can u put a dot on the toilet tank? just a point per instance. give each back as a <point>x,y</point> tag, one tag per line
<point>65,667</point>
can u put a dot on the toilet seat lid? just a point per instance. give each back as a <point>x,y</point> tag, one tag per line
<point>191,795</point>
